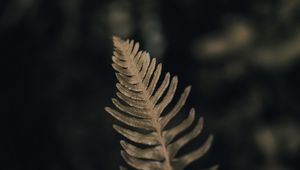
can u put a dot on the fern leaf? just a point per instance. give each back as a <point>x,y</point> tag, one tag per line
<point>141,104</point>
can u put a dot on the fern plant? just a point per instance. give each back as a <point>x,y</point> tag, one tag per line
<point>141,105</point>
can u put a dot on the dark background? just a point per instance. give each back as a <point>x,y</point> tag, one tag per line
<point>242,58</point>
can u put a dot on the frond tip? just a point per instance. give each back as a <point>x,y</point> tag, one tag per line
<point>140,105</point>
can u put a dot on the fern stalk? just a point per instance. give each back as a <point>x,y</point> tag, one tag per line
<point>132,68</point>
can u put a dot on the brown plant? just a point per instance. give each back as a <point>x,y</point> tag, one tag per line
<point>141,107</point>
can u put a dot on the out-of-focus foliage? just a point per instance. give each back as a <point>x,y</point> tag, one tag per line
<point>242,58</point>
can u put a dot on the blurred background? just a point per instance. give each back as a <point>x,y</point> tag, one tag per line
<point>242,58</point>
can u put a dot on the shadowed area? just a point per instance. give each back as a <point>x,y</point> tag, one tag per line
<point>242,59</point>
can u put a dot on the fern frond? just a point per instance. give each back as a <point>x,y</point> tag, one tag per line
<point>141,102</point>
